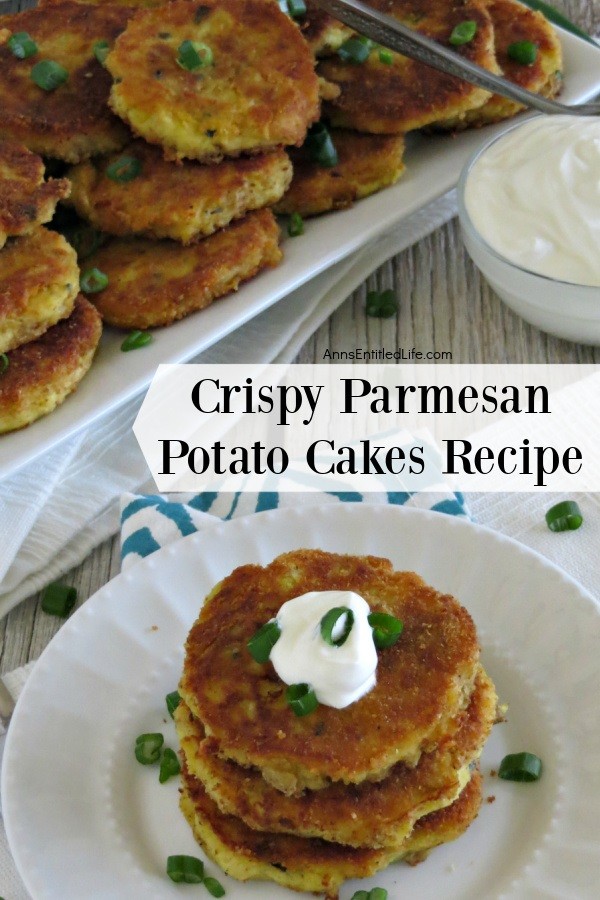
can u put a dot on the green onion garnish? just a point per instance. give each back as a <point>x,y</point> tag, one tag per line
<point>172,700</point>
<point>553,15</point>
<point>4,363</point>
<point>374,894</point>
<point>135,340</point>
<point>520,767</point>
<point>261,644</point>
<point>101,50</point>
<point>214,887</point>
<point>360,895</point>
<point>381,304</point>
<point>295,225</point>
<point>386,629</point>
<point>330,621</point>
<point>92,281</point>
<point>523,52</point>
<point>148,747</point>
<point>296,8</point>
<point>48,74</point>
<point>22,45</point>
<point>58,599</point>
<point>194,55</point>
<point>320,146</point>
<point>386,56</point>
<point>169,765</point>
<point>355,50</point>
<point>565,516</point>
<point>185,868</point>
<point>463,33</point>
<point>301,698</point>
<point>124,169</point>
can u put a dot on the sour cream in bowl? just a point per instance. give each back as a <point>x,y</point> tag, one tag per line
<point>529,207</point>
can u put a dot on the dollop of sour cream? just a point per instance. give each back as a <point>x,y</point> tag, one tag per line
<point>338,675</point>
<point>534,197</point>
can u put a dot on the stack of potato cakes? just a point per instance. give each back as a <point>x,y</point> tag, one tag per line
<point>314,800</point>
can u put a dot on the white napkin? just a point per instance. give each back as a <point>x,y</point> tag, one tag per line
<point>54,511</point>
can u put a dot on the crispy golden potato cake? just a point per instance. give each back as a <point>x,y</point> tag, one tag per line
<point>72,121</point>
<point>42,373</point>
<point>311,864</point>
<point>396,97</point>
<point>39,281</point>
<point>422,681</point>
<point>370,814</point>
<point>366,163</point>
<point>256,91</point>
<point>26,200</point>
<point>136,4</point>
<point>324,34</point>
<point>155,283</point>
<point>182,201</point>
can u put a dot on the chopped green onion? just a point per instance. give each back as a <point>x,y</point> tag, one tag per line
<point>194,55</point>
<point>172,700</point>
<point>296,8</point>
<point>48,74</point>
<point>58,599</point>
<point>214,887</point>
<point>92,281</point>
<point>189,869</point>
<point>463,33</point>
<point>148,747</point>
<point>22,45</point>
<point>378,893</point>
<point>523,52</point>
<point>355,50</point>
<point>360,895</point>
<point>101,50</point>
<point>4,362</point>
<point>565,516</point>
<point>169,765</point>
<point>301,698</point>
<point>386,629</point>
<point>295,225</point>
<point>553,15</point>
<point>320,146</point>
<point>261,644</point>
<point>124,169</point>
<point>330,621</point>
<point>135,340</point>
<point>386,57</point>
<point>520,767</point>
<point>381,304</point>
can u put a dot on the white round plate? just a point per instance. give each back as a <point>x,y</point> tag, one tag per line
<point>85,820</point>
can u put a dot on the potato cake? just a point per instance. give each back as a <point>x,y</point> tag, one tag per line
<point>403,95</point>
<point>422,681</point>
<point>73,121</point>
<point>215,78</point>
<point>39,281</point>
<point>366,163</point>
<point>26,200</point>
<point>42,373</point>
<point>371,814</point>
<point>182,201</point>
<point>324,34</point>
<point>155,283</point>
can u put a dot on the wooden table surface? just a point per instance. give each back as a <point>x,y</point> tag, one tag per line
<point>444,306</point>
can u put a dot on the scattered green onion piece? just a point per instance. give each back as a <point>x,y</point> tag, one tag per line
<point>329,622</point>
<point>58,599</point>
<point>520,767</point>
<point>48,74</point>
<point>565,516</point>
<point>148,747</point>
<point>124,169</point>
<point>295,225</point>
<point>261,643</point>
<point>386,56</point>
<point>360,895</point>
<point>101,50</point>
<point>378,893</point>
<point>4,362</point>
<point>172,700</point>
<point>193,55</point>
<point>463,33</point>
<point>553,15</point>
<point>381,304</point>
<point>296,8</point>
<point>386,629</point>
<point>169,765</point>
<point>301,698</point>
<point>92,281</point>
<point>320,146</point>
<point>355,50</point>
<point>214,887</point>
<point>189,869</point>
<point>135,340</point>
<point>523,52</point>
<point>22,45</point>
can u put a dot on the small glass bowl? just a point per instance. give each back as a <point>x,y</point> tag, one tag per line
<point>567,310</point>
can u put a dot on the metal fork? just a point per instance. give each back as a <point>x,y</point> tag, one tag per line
<point>390,33</point>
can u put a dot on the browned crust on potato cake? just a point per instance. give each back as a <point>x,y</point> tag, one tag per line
<point>26,200</point>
